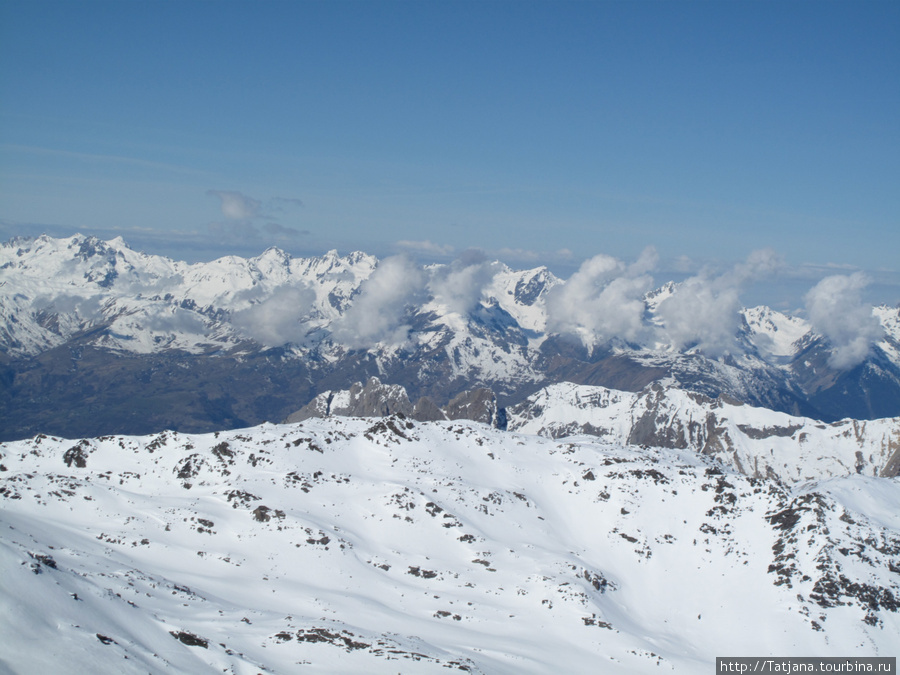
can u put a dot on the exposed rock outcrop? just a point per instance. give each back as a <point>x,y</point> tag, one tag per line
<point>376,399</point>
<point>372,399</point>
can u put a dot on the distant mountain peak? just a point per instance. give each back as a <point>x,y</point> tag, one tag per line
<point>439,331</point>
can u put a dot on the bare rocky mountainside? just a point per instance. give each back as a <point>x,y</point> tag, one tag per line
<point>97,338</point>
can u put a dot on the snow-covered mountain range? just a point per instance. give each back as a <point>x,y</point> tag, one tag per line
<point>389,545</point>
<point>479,469</point>
<point>116,341</point>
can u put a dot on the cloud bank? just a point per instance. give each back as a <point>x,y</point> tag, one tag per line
<point>276,320</point>
<point>837,312</point>
<point>378,311</point>
<point>460,285</point>
<point>704,310</point>
<point>602,300</point>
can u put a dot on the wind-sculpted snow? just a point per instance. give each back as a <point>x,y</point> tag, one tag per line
<point>387,545</point>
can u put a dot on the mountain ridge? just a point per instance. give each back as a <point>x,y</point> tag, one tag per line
<point>455,489</point>
<point>756,442</point>
<point>292,328</point>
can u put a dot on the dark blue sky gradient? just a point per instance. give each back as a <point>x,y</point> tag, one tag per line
<point>705,129</point>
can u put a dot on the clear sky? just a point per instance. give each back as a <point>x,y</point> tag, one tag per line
<point>536,131</point>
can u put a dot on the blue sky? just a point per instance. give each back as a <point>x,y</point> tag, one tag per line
<point>539,132</point>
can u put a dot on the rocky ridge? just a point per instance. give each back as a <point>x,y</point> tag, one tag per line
<point>753,441</point>
<point>374,399</point>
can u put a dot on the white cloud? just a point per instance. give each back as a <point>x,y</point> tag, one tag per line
<point>837,312</point>
<point>243,215</point>
<point>602,300</point>
<point>276,320</point>
<point>377,313</point>
<point>460,285</point>
<point>760,264</point>
<point>646,262</point>
<point>175,320</point>
<point>704,310</point>
<point>88,308</point>
<point>237,206</point>
<point>684,264</point>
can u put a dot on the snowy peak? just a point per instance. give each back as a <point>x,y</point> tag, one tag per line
<point>653,298</point>
<point>439,331</point>
<point>523,295</point>
<point>65,278</point>
<point>46,271</point>
<point>773,333</point>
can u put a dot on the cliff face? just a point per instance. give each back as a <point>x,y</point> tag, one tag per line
<point>755,441</point>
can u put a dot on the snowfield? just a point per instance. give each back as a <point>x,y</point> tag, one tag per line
<point>387,545</point>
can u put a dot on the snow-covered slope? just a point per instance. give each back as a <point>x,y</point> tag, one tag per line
<point>523,295</point>
<point>384,546</point>
<point>773,333</point>
<point>754,441</point>
<point>889,318</point>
